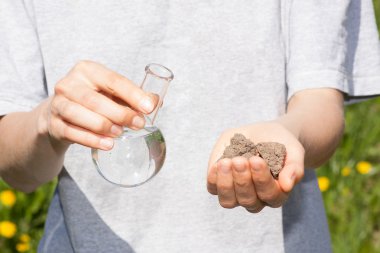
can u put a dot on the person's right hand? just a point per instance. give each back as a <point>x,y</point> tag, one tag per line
<point>91,104</point>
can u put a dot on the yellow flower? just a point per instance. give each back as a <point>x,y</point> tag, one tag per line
<point>363,167</point>
<point>7,198</point>
<point>22,247</point>
<point>7,229</point>
<point>24,238</point>
<point>346,171</point>
<point>323,183</point>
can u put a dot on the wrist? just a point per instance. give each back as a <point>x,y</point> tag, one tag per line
<point>290,124</point>
<point>42,115</point>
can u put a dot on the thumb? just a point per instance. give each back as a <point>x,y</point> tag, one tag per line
<point>290,175</point>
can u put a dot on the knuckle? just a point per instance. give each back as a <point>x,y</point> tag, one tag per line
<point>122,116</point>
<point>113,80</point>
<point>54,105</point>
<point>52,128</point>
<point>60,87</point>
<point>65,85</point>
<point>67,109</point>
<point>268,197</point>
<point>242,184</point>
<point>247,202</point>
<point>224,189</point>
<point>102,126</point>
<point>90,100</point>
<point>260,181</point>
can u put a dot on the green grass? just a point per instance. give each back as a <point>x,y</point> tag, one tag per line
<point>28,214</point>
<point>376,5</point>
<point>352,202</point>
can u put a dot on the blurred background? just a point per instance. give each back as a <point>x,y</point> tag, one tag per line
<point>349,182</point>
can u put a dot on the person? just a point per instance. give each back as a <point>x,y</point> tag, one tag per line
<point>271,70</point>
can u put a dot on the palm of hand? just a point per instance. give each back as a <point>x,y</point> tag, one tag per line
<point>248,182</point>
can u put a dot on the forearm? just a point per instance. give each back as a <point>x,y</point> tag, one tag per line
<point>316,118</point>
<point>28,158</point>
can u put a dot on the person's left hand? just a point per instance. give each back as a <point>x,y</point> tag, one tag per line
<point>248,182</point>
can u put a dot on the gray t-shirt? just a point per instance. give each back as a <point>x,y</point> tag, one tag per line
<point>235,63</point>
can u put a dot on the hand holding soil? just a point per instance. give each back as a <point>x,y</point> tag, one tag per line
<point>273,153</point>
<point>255,182</point>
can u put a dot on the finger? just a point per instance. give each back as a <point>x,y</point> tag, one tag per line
<point>291,174</point>
<point>211,180</point>
<point>293,170</point>
<point>215,155</point>
<point>267,188</point>
<point>98,103</point>
<point>225,184</point>
<point>255,209</point>
<point>80,116</point>
<point>244,188</point>
<point>65,131</point>
<point>117,85</point>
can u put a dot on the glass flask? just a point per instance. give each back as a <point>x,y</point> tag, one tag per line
<point>138,155</point>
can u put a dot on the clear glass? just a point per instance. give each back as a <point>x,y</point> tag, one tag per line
<point>137,156</point>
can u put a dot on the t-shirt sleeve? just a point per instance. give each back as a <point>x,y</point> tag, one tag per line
<point>22,84</point>
<point>332,44</point>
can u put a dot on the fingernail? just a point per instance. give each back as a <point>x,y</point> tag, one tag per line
<point>255,169</point>
<point>239,167</point>
<point>146,105</point>
<point>138,122</point>
<point>225,168</point>
<point>116,130</point>
<point>106,143</point>
<point>293,177</point>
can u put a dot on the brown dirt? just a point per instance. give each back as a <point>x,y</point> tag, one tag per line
<point>240,146</point>
<point>273,153</point>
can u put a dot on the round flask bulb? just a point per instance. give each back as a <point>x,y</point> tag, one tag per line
<point>136,157</point>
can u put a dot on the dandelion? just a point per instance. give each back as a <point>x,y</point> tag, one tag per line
<point>7,229</point>
<point>24,238</point>
<point>7,198</point>
<point>346,171</point>
<point>363,167</point>
<point>323,183</point>
<point>22,247</point>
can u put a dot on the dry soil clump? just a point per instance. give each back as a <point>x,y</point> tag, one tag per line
<point>273,153</point>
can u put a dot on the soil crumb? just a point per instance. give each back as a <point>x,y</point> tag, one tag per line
<point>240,146</point>
<point>273,153</point>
